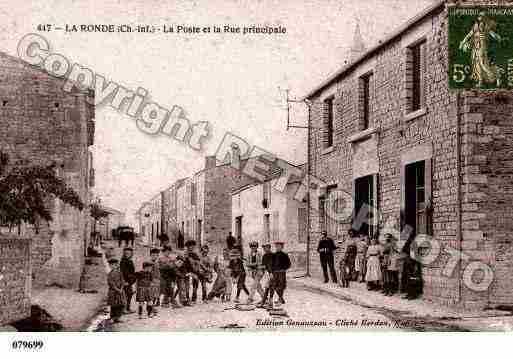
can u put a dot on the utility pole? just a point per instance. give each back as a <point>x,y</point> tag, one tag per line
<point>308,127</point>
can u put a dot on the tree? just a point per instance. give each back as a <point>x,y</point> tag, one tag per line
<point>97,213</point>
<point>25,189</point>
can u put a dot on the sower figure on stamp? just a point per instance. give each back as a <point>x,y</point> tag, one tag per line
<point>325,249</point>
<point>281,263</point>
<point>116,298</point>
<point>128,271</point>
<point>254,265</point>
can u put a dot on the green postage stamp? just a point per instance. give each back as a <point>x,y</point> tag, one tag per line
<point>481,48</point>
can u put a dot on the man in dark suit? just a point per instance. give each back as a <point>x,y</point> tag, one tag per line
<point>325,249</point>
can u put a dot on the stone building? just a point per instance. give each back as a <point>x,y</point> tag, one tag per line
<point>264,214</point>
<point>204,203</point>
<point>42,123</point>
<point>439,162</point>
<point>170,212</point>
<point>150,219</point>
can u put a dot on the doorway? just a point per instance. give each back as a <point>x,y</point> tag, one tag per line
<point>365,194</point>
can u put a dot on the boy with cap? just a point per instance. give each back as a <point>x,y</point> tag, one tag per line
<point>155,274</point>
<point>180,274</point>
<point>127,268</point>
<point>166,276</point>
<point>145,291</point>
<point>267,264</point>
<point>192,267</point>
<point>116,296</point>
<point>238,273</point>
<point>206,268</point>
<point>281,263</point>
<point>255,267</point>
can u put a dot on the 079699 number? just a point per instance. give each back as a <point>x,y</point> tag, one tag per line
<point>27,344</point>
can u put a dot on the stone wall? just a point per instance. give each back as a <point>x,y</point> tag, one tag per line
<point>487,192</point>
<point>41,124</point>
<point>15,278</point>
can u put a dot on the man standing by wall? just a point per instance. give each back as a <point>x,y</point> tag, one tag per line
<point>326,248</point>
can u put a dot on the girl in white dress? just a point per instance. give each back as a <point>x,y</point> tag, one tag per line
<point>373,275</point>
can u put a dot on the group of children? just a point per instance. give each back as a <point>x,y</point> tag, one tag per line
<point>166,279</point>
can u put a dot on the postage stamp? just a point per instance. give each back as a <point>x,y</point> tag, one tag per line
<point>480,48</point>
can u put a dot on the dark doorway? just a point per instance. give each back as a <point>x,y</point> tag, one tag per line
<point>238,227</point>
<point>364,195</point>
<point>415,215</point>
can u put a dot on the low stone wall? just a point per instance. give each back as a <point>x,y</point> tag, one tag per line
<point>15,278</point>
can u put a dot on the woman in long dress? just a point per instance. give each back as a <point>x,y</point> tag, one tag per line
<point>373,275</point>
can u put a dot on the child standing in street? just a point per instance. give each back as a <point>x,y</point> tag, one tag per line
<point>144,293</point>
<point>238,273</point>
<point>256,270</point>
<point>116,296</point>
<point>281,263</point>
<point>166,277</point>
<point>222,286</point>
<point>344,270</point>
<point>155,275</point>
<point>267,264</point>
<point>180,275</point>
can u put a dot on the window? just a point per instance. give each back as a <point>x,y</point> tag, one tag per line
<point>193,193</point>
<point>415,67</point>
<point>329,205</point>
<point>365,202</point>
<point>328,122</point>
<point>365,101</point>
<point>199,231</point>
<point>302,225</point>
<point>267,228</point>
<point>276,226</point>
<point>238,227</point>
<point>417,194</point>
<point>266,194</point>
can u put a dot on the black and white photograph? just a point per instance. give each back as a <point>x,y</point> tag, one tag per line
<point>267,166</point>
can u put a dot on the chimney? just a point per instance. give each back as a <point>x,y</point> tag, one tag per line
<point>210,162</point>
<point>358,47</point>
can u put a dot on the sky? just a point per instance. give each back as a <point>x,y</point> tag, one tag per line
<point>234,82</point>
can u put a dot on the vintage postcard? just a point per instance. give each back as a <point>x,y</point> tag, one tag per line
<point>256,166</point>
